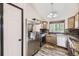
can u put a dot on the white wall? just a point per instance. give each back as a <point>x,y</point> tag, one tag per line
<point>66,23</point>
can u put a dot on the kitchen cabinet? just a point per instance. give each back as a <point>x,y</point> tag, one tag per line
<point>77,21</point>
<point>44,24</point>
<point>51,38</point>
<point>71,22</point>
<point>73,45</point>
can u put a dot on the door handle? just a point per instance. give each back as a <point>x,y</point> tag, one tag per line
<point>20,40</point>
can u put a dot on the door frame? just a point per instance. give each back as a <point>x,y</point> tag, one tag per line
<point>21,24</point>
<point>2,39</point>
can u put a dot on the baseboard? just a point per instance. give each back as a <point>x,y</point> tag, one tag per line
<point>62,47</point>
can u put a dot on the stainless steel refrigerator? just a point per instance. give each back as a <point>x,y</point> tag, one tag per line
<point>33,40</point>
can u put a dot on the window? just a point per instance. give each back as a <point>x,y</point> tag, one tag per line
<point>56,27</point>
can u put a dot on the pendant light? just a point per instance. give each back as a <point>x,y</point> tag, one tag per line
<point>52,13</point>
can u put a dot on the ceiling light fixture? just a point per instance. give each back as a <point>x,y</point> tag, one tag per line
<point>53,13</point>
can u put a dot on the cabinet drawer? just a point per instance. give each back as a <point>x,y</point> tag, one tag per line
<point>51,39</point>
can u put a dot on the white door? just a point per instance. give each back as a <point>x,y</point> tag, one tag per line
<point>12,31</point>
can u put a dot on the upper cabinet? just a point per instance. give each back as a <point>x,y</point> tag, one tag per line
<point>44,24</point>
<point>77,21</point>
<point>71,22</point>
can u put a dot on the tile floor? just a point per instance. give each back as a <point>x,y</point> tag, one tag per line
<point>49,50</point>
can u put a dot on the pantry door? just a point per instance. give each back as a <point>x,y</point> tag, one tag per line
<point>13,30</point>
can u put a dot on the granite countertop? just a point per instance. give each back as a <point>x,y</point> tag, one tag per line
<point>74,37</point>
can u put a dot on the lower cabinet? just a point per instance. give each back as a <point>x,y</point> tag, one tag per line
<point>51,38</point>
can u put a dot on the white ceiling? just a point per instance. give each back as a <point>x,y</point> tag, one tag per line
<point>64,10</point>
